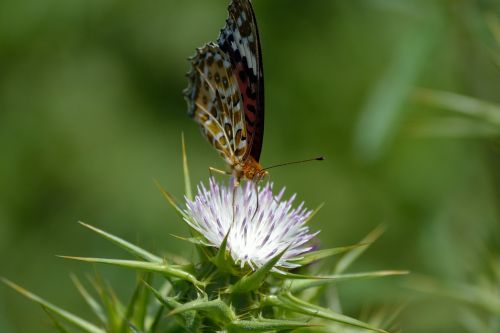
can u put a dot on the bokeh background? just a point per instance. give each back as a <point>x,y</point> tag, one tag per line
<point>91,112</point>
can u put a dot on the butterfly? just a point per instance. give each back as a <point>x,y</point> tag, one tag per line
<point>225,95</point>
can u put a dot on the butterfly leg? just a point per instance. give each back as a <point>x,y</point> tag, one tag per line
<point>255,183</point>
<point>234,196</point>
<point>256,180</point>
<point>210,170</point>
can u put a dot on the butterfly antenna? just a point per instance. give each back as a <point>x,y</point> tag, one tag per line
<point>320,158</point>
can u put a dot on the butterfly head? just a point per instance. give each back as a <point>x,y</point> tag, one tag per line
<point>261,174</point>
<point>250,169</point>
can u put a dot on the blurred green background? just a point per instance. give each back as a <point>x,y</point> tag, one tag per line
<point>91,112</point>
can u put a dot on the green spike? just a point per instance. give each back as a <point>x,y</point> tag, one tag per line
<point>254,280</point>
<point>69,317</point>
<point>352,255</point>
<point>319,281</point>
<point>202,248</point>
<point>92,302</point>
<point>193,240</point>
<point>461,104</point>
<point>58,325</point>
<point>157,309</point>
<point>217,309</point>
<point>164,268</point>
<point>311,257</point>
<point>153,323</point>
<point>133,329</point>
<point>480,296</point>
<point>387,316</point>
<point>99,288</point>
<point>177,259</point>
<point>137,307</point>
<point>314,213</point>
<point>284,275</point>
<point>113,307</point>
<point>171,201</point>
<point>129,247</point>
<point>265,325</point>
<point>289,302</point>
<point>188,318</point>
<point>185,168</point>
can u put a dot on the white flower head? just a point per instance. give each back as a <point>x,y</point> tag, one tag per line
<point>259,230</point>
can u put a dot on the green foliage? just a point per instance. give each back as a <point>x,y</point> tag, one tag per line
<point>91,110</point>
<point>69,317</point>
<point>234,306</point>
<point>478,298</point>
<point>211,294</point>
<point>475,118</point>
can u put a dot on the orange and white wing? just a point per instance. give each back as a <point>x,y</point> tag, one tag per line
<point>215,102</point>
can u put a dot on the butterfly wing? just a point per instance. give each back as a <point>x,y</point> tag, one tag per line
<point>240,40</point>
<point>214,101</point>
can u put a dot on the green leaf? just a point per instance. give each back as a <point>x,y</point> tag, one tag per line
<point>255,279</point>
<point>353,254</point>
<point>216,309</point>
<point>301,285</point>
<point>289,302</point>
<point>164,268</point>
<point>92,303</point>
<point>185,168</point>
<point>471,294</point>
<point>311,257</point>
<point>265,325</point>
<point>454,127</point>
<point>129,247</point>
<point>465,105</point>
<point>69,317</point>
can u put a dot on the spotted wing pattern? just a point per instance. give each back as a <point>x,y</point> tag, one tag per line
<point>240,40</point>
<point>214,101</point>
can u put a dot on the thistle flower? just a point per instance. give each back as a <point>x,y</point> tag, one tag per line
<point>258,224</point>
